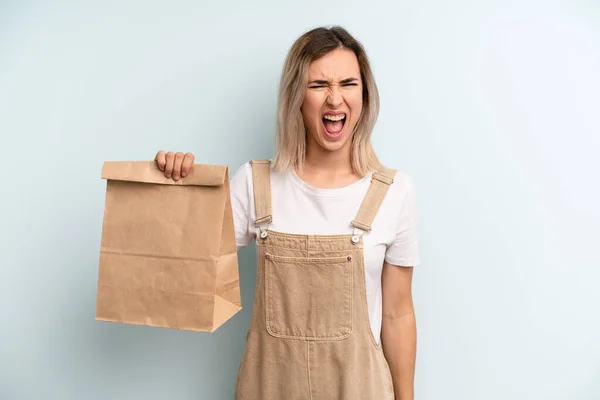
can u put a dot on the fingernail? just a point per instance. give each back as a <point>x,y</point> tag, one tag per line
<point>168,175</point>
<point>175,177</point>
<point>183,174</point>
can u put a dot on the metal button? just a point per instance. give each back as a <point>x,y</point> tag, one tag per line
<point>264,234</point>
<point>355,239</point>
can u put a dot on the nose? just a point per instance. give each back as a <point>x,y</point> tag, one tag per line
<point>335,98</point>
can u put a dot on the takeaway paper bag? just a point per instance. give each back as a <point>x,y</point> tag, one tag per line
<point>168,256</point>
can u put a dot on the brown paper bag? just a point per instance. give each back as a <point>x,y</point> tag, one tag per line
<point>168,256</point>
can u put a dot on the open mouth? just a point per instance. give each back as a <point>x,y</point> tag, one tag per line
<point>334,124</point>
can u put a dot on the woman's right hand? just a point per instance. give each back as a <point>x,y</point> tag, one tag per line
<point>174,165</point>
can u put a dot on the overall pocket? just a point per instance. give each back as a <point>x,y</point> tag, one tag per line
<point>308,298</point>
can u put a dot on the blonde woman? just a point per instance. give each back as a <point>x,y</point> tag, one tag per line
<point>336,238</point>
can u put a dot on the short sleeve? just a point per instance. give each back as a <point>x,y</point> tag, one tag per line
<point>240,204</point>
<point>404,250</point>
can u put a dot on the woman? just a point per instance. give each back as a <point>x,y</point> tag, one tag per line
<point>336,236</point>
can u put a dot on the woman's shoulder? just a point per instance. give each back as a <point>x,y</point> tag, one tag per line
<point>401,182</point>
<point>243,176</point>
<point>244,171</point>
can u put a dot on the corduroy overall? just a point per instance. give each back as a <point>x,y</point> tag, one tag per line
<point>310,336</point>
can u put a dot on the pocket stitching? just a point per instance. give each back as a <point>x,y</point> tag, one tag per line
<point>348,294</point>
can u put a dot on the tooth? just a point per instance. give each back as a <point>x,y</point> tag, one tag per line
<point>335,117</point>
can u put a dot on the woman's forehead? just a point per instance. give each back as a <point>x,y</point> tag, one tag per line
<point>335,65</point>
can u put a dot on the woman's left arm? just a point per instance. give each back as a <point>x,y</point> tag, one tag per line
<point>399,330</point>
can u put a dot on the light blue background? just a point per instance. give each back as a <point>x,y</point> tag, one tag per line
<point>492,107</point>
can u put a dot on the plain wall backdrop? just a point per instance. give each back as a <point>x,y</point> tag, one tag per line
<point>492,107</point>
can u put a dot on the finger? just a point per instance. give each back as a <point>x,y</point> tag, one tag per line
<point>188,161</point>
<point>161,160</point>
<point>177,166</point>
<point>169,164</point>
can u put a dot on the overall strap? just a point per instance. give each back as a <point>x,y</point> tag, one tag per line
<point>261,178</point>
<point>380,182</point>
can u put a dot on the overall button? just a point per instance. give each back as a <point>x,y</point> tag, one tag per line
<point>355,239</point>
<point>264,234</point>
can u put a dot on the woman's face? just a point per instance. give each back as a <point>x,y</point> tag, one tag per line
<point>333,101</point>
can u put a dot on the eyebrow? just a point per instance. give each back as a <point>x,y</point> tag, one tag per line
<point>323,82</point>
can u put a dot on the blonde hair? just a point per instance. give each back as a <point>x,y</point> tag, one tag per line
<point>291,132</point>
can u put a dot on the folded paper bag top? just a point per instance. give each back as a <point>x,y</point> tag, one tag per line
<point>168,256</point>
<point>148,172</point>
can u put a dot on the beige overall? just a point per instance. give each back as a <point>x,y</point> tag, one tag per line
<point>310,336</point>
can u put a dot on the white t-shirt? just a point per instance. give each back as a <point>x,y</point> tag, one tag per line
<point>302,209</point>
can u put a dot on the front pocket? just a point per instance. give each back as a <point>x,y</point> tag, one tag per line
<point>308,298</point>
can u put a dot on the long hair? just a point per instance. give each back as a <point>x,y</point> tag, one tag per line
<point>291,131</point>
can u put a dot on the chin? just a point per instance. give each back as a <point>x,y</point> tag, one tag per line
<point>333,146</point>
<point>328,144</point>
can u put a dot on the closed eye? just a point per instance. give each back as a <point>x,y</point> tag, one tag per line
<point>322,86</point>
<point>318,84</point>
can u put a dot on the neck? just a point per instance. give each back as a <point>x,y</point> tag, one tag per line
<point>327,169</point>
<point>329,162</point>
